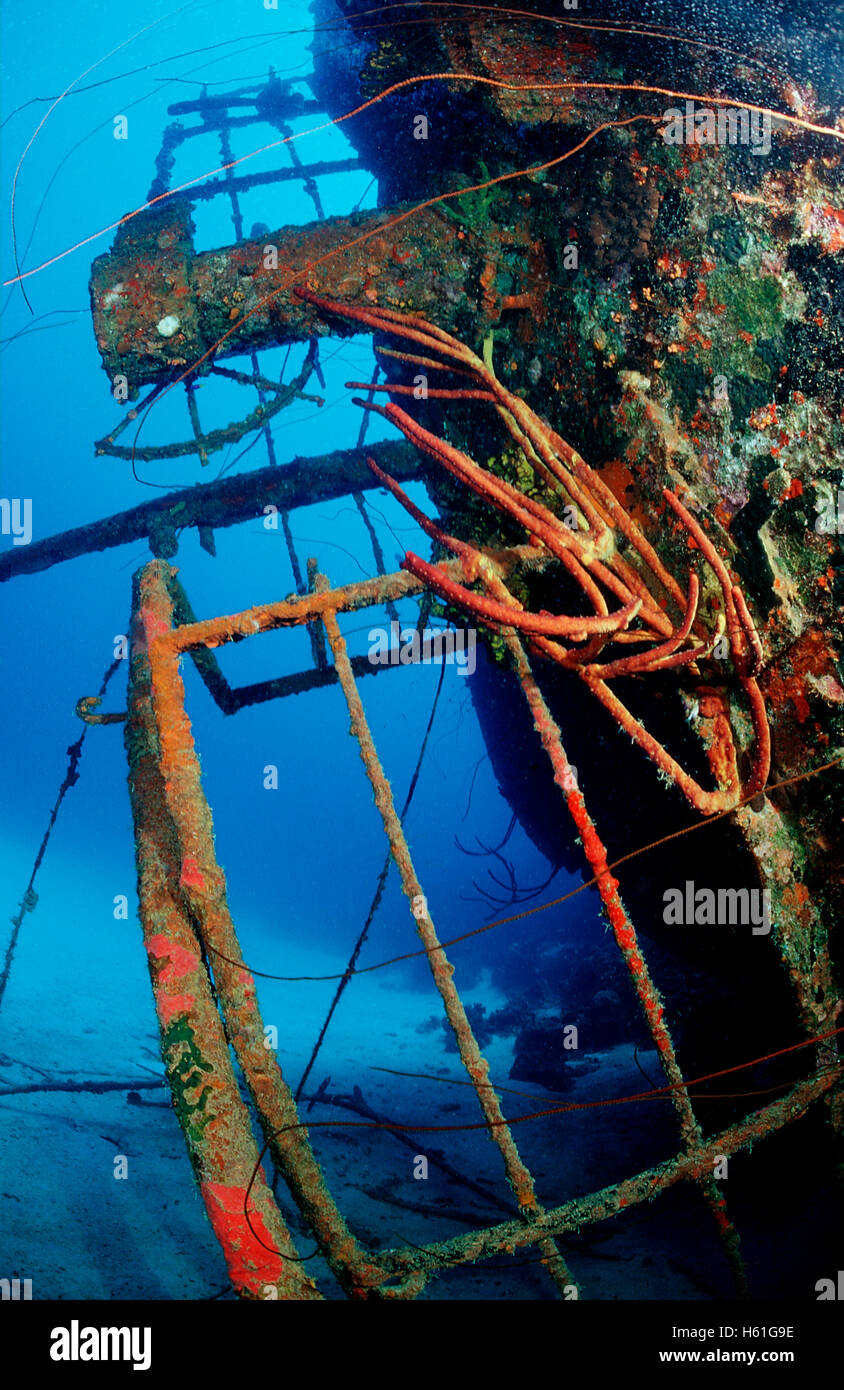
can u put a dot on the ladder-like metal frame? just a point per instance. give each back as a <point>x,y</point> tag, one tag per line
<point>274,103</point>
<point>188,928</point>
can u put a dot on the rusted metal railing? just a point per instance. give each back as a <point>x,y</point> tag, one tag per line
<point>187,925</point>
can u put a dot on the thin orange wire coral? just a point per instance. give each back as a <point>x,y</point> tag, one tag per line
<point>589,549</point>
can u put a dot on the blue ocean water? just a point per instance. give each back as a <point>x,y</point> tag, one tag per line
<point>303,857</point>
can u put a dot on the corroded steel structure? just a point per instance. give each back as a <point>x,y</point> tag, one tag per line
<point>438,270</point>
<point>187,922</point>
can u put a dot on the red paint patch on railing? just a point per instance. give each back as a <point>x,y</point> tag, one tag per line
<point>180,961</point>
<point>154,625</point>
<point>190,876</point>
<point>171,1005</point>
<point>250,1265</point>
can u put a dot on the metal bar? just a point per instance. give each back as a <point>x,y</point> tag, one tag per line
<point>229,181</point>
<point>241,697</point>
<point>315,630</point>
<point>196,426</point>
<point>298,609</point>
<point>230,699</point>
<point>360,503</point>
<point>477,1067</point>
<point>254,378</point>
<point>610,1201</point>
<point>306,172</point>
<point>225,502</point>
<point>202,883</point>
<point>222,103</point>
<point>802,937</point>
<point>623,929</point>
<point>214,1120</point>
<point>132,414</point>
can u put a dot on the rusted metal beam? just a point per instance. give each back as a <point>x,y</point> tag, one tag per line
<point>511,1236</point>
<point>213,1117</point>
<point>202,883</point>
<point>159,307</point>
<point>477,1067</point>
<point>303,608</point>
<point>217,505</point>
<point>207,191</point>
<point>623,931</point>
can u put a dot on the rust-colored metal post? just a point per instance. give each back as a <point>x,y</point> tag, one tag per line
<point>471,1056</point>
<point>623,929</point>
<point>214,1120</point>
<point>202,882</point>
